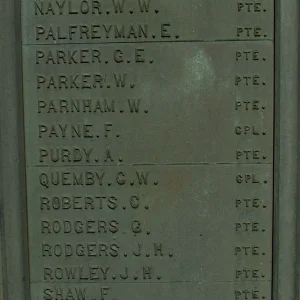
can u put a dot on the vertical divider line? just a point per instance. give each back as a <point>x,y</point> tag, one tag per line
<point>19,42</point>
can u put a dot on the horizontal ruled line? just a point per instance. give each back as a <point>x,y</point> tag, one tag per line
<point>147,42</point>
<point>148,282</point>
<point>156,165</point>
<point>200,163</point>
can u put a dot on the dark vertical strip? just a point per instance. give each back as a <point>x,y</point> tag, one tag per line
<point>286,150</point>
<point>12,158</point>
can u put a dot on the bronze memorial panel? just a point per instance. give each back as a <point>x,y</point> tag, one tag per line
<point>149,148</point>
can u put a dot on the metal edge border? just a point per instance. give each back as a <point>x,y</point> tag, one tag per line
<point>13,222</point>
<point>286,148</point>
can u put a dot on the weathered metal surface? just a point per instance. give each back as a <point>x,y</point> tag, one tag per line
<point>149,149</point>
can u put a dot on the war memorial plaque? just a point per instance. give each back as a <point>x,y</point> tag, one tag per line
<point>149,148</point>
